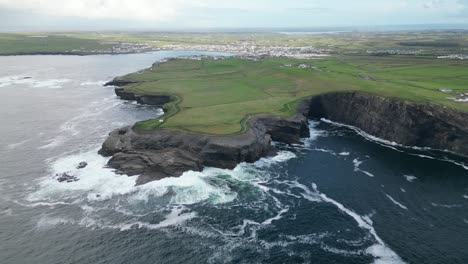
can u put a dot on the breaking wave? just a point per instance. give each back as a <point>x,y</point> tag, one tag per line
<point>400,148</point>
<point>32,82</point>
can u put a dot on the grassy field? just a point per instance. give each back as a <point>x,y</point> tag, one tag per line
<point>216,96</point>
<point>17,44</point>
<point>425,42</point>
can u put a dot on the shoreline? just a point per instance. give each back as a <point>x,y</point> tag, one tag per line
<point>66,53</point>
<point>161,153</point>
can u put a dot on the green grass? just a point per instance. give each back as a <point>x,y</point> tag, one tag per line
<point>17,44</point>
<point>217,96</point>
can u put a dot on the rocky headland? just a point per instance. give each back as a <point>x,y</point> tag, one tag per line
<point>163,153</point>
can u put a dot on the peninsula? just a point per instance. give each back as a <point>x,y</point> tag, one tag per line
<point>223,111</point>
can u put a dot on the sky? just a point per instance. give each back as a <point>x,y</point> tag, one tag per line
<point>190,14</point>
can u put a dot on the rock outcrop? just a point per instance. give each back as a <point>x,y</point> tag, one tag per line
<point>158,100</point>
<point>66,177</point>
<point>82,165</point>
<point>162,153</point>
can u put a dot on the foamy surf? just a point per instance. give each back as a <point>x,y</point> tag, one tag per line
<point>13,146</point>
<point>32,82</point>
<point>314,133</point>
<point>448,206</point>
<point>382,253</point>
<point>396,202</point>
<point>99,184</point>
<point>357,163</point>
<point>398,147</point>
<point>410,178</point>
<point>93,83</point>
<point>96,181</point>
<point>176,217</point>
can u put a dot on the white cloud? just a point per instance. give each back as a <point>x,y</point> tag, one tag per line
<point>432,4</point>
<point>149,10</point>
<point>449,7</point>
<point>227,13</point>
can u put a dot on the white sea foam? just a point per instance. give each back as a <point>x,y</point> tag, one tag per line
<point>410,178</point>
<point>402,190</point>
<point>393,145</point>
<point>368,219</point>
<point>269,221</point>
<point>324,151</point>
<point>48,222</point>
<point>368,173</point>
<point>47,204</point>
<point>190,188</point>
<point>380,251</point>
<point>17,144</point>
<point>7,212</point>
<point>32,82</point>
<point>465,196</point>
<point>344,153</point>
<point>175,218</point>
<point>54,142</point>
<point>362,133</point>
<point>306,192</point>
<point>11,80</point>
<point>51,83</point>
<point>341,251</point>
<point>95,180</point>
<point>396,202</point>
<point>358,163</point>
<point>252,226</point>
<point>281,156</point>
<point>93,83</point>
<point>314,134</point>
<point>449,206</point>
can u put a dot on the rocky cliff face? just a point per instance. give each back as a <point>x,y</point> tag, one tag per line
<point>162,153</point>
<point>406,123</point>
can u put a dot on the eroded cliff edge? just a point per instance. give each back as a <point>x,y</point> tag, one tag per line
<point>162,153</point>
<point>405,123</point>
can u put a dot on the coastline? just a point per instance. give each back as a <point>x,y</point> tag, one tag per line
<point>71,53</point>
<point>164,153</point>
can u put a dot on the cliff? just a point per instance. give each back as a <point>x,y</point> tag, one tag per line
<point>406,123</point>
<point>162,153</point>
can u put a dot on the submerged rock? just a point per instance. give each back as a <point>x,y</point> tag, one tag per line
<point>65,177</point>
<point>82,165</point>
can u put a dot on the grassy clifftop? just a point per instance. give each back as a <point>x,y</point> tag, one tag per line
<point>217,96</point>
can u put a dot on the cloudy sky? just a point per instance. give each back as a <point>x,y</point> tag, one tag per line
<point>163,14</point>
